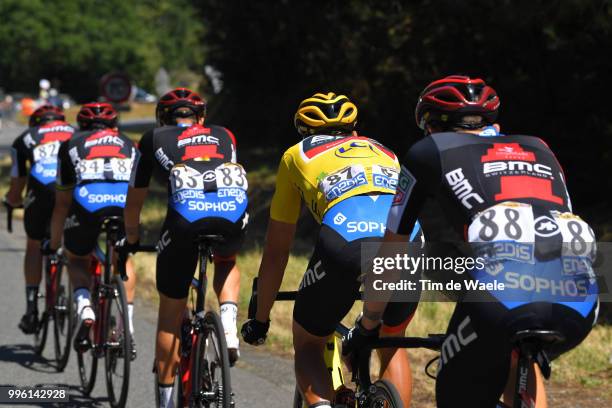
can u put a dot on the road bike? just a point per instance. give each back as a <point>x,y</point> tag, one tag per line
<point>378,394</point>
<point>109,337</point>
<point>55,302</point>
<point>203,377</point>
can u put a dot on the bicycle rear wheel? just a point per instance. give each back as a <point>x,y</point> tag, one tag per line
<point>211,370</point>
<point>63,317</point>
<point>87,359</point>
<point>117,345</point>
<point>40,336</point>
<point>385,396</point>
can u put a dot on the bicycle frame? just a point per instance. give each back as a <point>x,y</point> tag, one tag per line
<point>200,284</point>
<point>101,284</point>
<point>361,359</point>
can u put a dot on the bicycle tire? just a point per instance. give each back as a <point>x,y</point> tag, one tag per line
<point>298,401</point>
<point>88,369</point>
<point>40,336</point>
<point>63,316</point>
<point>203,380</point>
<point>117,345</point>
<point>385,396</point>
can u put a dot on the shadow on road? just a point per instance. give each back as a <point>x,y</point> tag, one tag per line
<point>77,399</point>
<point>24,355</point>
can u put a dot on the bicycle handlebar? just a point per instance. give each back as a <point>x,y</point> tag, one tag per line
<point>9,214</point>
<point>141,248</point>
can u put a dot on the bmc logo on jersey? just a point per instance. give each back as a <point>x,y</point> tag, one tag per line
<point>462,188</point>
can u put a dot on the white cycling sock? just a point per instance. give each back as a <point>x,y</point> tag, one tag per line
<point>165,396</point>
<point>131,316</point>
<point>229,313</point>
<point>82,298</point>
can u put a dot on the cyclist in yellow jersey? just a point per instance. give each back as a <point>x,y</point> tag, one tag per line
<point>347,181</point>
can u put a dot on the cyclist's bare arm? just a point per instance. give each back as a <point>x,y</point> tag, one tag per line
<point>373,311</point>
<point>63,201</point>
<point>14,195</point>
<point>279,240</point>
<point>131,213</point>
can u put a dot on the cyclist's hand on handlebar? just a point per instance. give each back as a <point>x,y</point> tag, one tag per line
<point>255,332</point>
<point>357,337</point>
<point>45,248</point>
<point>125,248</point>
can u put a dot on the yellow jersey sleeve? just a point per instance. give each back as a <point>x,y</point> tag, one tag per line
<point>287,199</point>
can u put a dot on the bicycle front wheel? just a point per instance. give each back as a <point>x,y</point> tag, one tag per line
<point>211,371</point>
<point>117,346</point>
<point>385,396</point>
<point>63,317</point>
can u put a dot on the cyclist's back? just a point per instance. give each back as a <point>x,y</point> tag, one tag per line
<point>96,166</point>
<point>325,170</point>
<point>506,195</point>
<point>39,145</point>
<point>206,195</point>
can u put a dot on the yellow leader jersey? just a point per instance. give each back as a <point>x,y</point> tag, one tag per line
<point>324,170</point>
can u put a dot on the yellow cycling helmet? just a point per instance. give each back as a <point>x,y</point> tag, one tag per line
<point>325,113</point>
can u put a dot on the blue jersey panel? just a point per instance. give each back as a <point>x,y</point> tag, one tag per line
<point>549,281</point>
<point>363,216</point>
<point>95,196</point>
<point>226,202</point>
<point>45,171</point>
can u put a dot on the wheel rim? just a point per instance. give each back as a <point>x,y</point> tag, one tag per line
<point>62,324</point>
<point>117,351</point>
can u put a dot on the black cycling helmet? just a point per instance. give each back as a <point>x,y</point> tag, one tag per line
<point>97,116</point>
<point>446,101</point>
<point>325,113</point>
<point>168,107</point>
<point>44,114</point>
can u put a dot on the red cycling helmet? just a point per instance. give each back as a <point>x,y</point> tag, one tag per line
<point>175,99</point>
<point>46,113</point>
<point>97,116</point>
<point>447,100</point>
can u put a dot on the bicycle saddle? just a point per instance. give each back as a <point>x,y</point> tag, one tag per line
<point>209,239</point>
<point>112,222</point>
<point>541,337</point>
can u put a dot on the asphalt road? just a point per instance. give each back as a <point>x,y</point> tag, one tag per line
<point>259,380</point>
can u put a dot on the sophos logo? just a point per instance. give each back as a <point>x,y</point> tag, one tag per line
<point>556,287</point>
<point>106,198</point>
<point>364,226</point>
<point>208,206</point>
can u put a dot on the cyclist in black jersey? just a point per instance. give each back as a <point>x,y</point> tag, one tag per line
<point>37,146</point>
<point>506,195</point>
<point>206,195</point>
<point>92,177</point>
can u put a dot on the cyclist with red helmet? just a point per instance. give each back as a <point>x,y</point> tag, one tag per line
<point>38,146</point>
<point>93,172</point>
<point>206,194</point>
<point>506,196</point>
